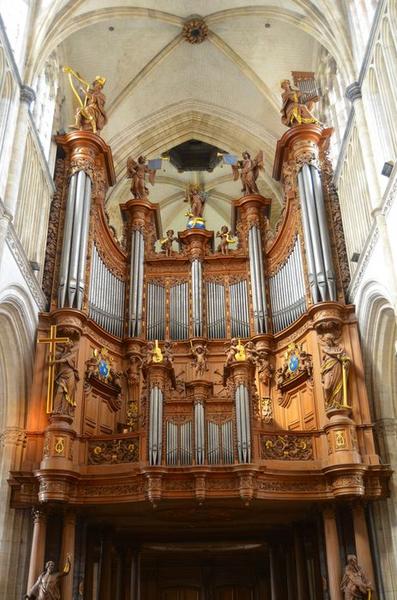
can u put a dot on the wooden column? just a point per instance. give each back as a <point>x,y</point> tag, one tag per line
<point>363,548</point>
<point>105,591</point>
<point>68,540</point>
<point>301,575</point>
<point>333,557</point>
<point>273,574</point>
<point>37,553</point>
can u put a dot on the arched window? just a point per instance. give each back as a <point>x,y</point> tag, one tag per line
<point>15,14</point>
<point>43,109</point>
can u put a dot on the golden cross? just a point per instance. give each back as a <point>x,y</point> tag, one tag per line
<point>52,341</point>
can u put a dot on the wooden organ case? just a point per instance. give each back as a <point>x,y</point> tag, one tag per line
<point>210,411</point>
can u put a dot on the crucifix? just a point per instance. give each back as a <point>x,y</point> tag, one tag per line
<point>52,341</point>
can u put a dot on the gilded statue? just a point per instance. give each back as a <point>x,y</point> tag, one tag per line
<point>90,113</point>
<point>66,379</point>
<point>199,363</point>
<point>137,171</point>
<point>294,111</point>
<point>226,240</point>
<point>354,583</point>
<point>235,352</point>
<point>47,586</point>
<point>334,372</point>
<point>154,353</point>
<point>248,170</point>
<point>167,241</point>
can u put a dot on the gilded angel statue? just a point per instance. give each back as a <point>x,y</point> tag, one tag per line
<point>136,171</point>
<point>90,113</point>
<point>248,169</point>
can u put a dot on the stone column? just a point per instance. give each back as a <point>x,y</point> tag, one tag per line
<point>68,541</point>
<point>333,557</point>
<point>363,548</point>
<point>37,554</point>
<point>27,96</point>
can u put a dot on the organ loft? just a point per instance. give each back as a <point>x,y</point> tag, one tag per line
<point>198,424</point>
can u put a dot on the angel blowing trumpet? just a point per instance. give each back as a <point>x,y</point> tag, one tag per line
<point>248,169</point>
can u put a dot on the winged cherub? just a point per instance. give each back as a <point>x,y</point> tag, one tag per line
<point>248,169</point>
<point>136,171</point>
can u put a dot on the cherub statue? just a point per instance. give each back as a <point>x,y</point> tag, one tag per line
<point>294,111</point>
<point>168,357</point>
<point>166,243</point>
<point>251,353</point>
<point>48,582</point>
<point>240,354</point>
<point>136,171</point>
<point>199,363</point>
<point>248,169</point>
<point>226,240</point>
<point>354,583</point>
<point>90,114</point>
<point>66,378</point>
<point>154,354</point>
<point>231,351</point>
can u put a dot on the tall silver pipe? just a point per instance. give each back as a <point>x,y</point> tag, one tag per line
<point>314,232</point>
<point>76,237</point>
<point>323,230</point>
<point>253,274</point>
<point>261,279</point>
<point>85,226</point>
<point>67,239</point>
<point>199,427</point>
<point>311,268</point>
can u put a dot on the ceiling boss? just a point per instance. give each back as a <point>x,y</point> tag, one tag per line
<point>90,113</point>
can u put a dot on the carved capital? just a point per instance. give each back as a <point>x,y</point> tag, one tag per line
<point>27,94</point>
<point>353,92</point>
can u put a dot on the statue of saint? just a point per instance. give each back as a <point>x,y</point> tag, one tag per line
<point>334,371</point>
<point>226,240</point>
<point>294,111</point>
<point>196,200</point>
<point>48,583</point>
<point>90,114</point>
<point>66,379</point>
<point>199,352</point>
<point>248,169</point>
<point>166,243</point>
<point>136,171</point>
<point>354,583</point>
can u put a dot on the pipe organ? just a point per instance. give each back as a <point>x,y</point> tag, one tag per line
<point>287,290</point>
<point>223,378</point>
<point>106,296</point>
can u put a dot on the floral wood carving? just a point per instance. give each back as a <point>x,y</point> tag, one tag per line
<point>113,451</point>
<point>53,228</point>
<point>286,447</point>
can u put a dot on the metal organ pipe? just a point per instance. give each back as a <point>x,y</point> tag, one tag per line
<point>199,433</point>
<point>74,250</point>
<point>197,310</point>
<point>324,235</point>
<point>155,425</point>
<point>318,248</point>
<point>257,279</point>
<point>136,279</point>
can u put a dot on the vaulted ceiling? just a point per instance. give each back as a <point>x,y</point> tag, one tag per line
<point>162,90</point>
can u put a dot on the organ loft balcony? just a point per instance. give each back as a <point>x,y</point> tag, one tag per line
<point>197,365</point>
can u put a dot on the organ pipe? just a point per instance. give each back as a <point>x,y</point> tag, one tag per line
<point>136,279</point>
<point>199,433</point>
<point>243,424</point>
<point>155,425</point>
<point>106,296</point>
<point>197,305</point>
<point>257,280</point>
<point>318,247</point>
<point>75,240</point>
